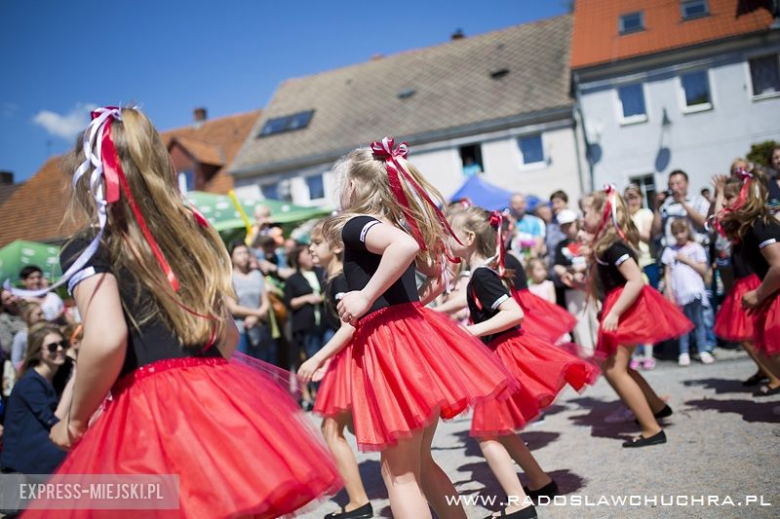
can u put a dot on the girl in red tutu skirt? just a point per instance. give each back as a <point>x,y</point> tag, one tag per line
<point>333,401</point>
<point>410,366</point>
<point>632,313</point>
<point>733,322</point>
<point>749,222</point>
<point>540,369</point>
<point>151,284</point>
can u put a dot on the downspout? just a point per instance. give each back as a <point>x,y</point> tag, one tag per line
<point>578,115</point>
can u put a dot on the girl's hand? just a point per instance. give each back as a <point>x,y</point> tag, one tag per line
<point>250,321</point>
<point>320,373</point>
<point>610,322</point>
<point>719,182</point>
<point>353,306</point>
<point>682,258</point>
<point>750,301</point>
<point>63,437</point>
<point>308,369</point>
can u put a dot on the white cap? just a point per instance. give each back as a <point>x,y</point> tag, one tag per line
<point>566,216</point>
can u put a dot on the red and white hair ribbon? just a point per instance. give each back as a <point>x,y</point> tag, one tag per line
<point>747,179</point>
<point>610,212</point>
<point>385,151</point>
<point>497,220</point>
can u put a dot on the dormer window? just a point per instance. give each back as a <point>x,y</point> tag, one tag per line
<point>692,9</point>
<point>287,123</point>
<point>631,22</point>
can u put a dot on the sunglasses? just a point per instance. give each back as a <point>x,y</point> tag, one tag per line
<point>53,346</point>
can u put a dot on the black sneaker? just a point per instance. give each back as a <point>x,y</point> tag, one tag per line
<point>641,441</point>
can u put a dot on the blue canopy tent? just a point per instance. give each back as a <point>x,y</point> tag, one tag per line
<point>484,194</point>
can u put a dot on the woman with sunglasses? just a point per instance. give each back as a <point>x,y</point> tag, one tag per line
<point>33,407</point>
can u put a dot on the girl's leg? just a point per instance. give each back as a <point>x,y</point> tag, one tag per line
<point>401,474</point>
<point>333,431</point>
<point>616,373</point>
<point>760,360</point>
<point>501,465</point>
<point>436,485</point>
<point>653,400</point>
<point>771,363</point>
<point>519,451</point>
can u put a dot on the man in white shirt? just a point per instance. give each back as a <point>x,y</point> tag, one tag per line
<point>51,304</point>
<point>676,204</point>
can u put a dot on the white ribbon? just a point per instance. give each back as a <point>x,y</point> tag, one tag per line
<point>92,141</point>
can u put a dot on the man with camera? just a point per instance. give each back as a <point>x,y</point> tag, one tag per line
<point>676,204</point>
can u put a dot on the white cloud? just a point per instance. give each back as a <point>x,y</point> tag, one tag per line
<point>66,126</point>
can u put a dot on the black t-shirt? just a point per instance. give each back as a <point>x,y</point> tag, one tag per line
<point>520,282</point>
<point>609,263</point>
<point>742,268</point>
<point>151,340</point>
<point>304,318</point>
<point>334,287</point>
<point>756,238</point>
<point>484,294</point>
<point>360,264</point>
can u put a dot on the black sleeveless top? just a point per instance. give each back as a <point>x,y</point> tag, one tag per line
<point>150,341</point>
<point>756,238</point>
<point>484,294</point>
<point>360,264</point>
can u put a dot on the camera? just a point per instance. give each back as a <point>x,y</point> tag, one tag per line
<point>669,193</point>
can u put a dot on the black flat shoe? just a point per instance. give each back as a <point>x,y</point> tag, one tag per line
<point>364,512</point>
<point>529,512</point>
<point>641,441</point>
<point>767,391</point>
<point>755,380</point>
<point>549,490</point>
<point>666,412</point>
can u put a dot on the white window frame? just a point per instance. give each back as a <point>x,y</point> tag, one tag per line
<point>322,178</point>
<point>181,178</point>
<point>531,165</point>
<point>684,108</point>
<point>749,76</point>
<point>633,119</point>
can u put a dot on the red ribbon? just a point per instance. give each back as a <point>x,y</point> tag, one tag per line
<point>115,178</point>
<point>746,177</point>
<point>497,220</point>
<point>385,151</point>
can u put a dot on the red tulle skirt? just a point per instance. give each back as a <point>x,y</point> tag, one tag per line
<point>238,442</point>
<point>732,322</point>
<point>650,319</point>
<point>543,318</point>
<point>767,335</point>
<point>541,370</point>
<point>334,395</point>
<point>413,365</point>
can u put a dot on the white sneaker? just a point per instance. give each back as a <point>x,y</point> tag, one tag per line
<point>622,415</point>
<point>706,357</point>
<point>684,360</point>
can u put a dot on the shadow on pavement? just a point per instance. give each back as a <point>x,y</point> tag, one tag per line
<point>568,482</point>
<point>751,411</point>
<point>599,410</point>
<point>372,481</point>
<point>720,385</point>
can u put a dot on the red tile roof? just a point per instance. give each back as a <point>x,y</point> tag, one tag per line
<point>35,209</point>
<point>596,39</point>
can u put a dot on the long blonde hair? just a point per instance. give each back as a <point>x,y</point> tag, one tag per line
<point>608,232</point>
<point>477,221</point>
<point>753,204</point>
<point>374,196</point>
<point>196,254</point>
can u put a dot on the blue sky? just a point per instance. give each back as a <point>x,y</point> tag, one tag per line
<point>59,58</point>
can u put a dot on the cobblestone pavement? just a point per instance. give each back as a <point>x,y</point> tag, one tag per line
<point>722,442</point>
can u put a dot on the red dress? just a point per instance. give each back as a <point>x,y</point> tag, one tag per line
<point>543,318</point>
<point>540,369</point>
<point>334,395</point>
<point>651,317</point>
<point>238,442</point>
<point>764,233</point>
<point>733,323</point>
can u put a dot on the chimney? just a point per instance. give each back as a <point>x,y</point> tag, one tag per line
<point>6,178</point>
<point>457,35</point>
<point>199,114</point>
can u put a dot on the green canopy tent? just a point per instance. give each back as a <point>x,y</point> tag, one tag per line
<point>17,255</point>
<point>220,211</point>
